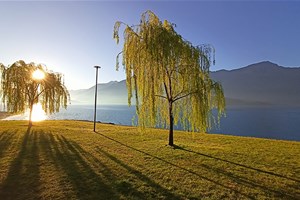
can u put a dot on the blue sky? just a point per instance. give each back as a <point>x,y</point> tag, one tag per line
<point>72,36</point>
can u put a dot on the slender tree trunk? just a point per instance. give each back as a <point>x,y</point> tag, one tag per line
<point>30,115</point>
<point>171,140</point>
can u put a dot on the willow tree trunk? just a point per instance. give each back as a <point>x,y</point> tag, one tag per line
<point>171,140</point>
<point>30,115</point>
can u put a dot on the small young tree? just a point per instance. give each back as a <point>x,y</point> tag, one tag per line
<point>169,75</point>
<point>24,85</point>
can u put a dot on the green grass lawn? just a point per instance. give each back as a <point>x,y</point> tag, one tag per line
<point>67,160</point>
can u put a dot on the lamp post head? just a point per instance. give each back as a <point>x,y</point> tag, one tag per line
<point>97,67</point>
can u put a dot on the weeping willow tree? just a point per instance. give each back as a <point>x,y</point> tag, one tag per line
<point>24,85</point>
<point>169,76</point>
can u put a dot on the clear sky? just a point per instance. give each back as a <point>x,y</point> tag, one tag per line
<point>72,36</point>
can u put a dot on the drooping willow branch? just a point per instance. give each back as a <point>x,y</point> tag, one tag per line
<point>166,71</point>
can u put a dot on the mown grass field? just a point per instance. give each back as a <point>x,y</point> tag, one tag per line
<point>67,160</point>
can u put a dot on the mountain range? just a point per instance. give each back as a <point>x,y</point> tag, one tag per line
<point>263,83</point>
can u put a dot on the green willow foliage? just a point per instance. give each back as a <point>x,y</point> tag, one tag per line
<point>169,75</point>
<point>20,91</point>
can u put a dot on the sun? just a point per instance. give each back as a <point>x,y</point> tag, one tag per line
<point>38,114</point>
<point>38,74</point>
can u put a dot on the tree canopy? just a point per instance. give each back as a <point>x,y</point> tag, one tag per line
<point>169,76</point>
<point>23,85</point>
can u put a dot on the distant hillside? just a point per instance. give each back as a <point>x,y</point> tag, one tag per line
<point>263,83</point>
<point>113,92</point>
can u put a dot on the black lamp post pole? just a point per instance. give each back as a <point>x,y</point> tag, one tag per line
<point>95,109</point>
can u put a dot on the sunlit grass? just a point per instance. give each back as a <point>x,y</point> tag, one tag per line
<point>67,160</point>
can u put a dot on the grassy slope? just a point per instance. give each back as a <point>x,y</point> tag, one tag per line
<point>66,160</point>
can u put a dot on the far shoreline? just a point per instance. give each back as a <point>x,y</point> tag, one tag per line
<point>4,115</point>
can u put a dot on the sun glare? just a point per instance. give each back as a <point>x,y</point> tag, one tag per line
<point>38,74</point>
<point>38,114</point>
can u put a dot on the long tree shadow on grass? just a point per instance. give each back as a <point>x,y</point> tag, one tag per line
<point>5,141</point>
<point>180,167</point>
<point>236,178</point>
<point>279,193</point>
<point>75,167</point>
<point>237,164</point>
<point>77,173</point>
<point>122,187</point>
<point>80,165</point>
<point>22,181</point>
<point>158,190</point>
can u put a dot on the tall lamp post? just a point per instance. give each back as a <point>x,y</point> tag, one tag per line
<point>95,110</point>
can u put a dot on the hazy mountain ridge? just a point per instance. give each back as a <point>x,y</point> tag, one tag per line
<point>113,92</point>
<point>263,83</point>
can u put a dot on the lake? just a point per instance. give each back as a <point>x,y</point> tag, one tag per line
<point>264,122</point>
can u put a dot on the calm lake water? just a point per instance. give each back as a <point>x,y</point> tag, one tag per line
<point>265,122</point>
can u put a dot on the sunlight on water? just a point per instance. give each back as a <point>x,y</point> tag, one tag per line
<point>38,114</point>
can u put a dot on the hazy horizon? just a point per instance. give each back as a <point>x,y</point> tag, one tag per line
<point>211,71</point>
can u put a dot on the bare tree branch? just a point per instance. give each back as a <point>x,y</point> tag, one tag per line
<point>161,96</point>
